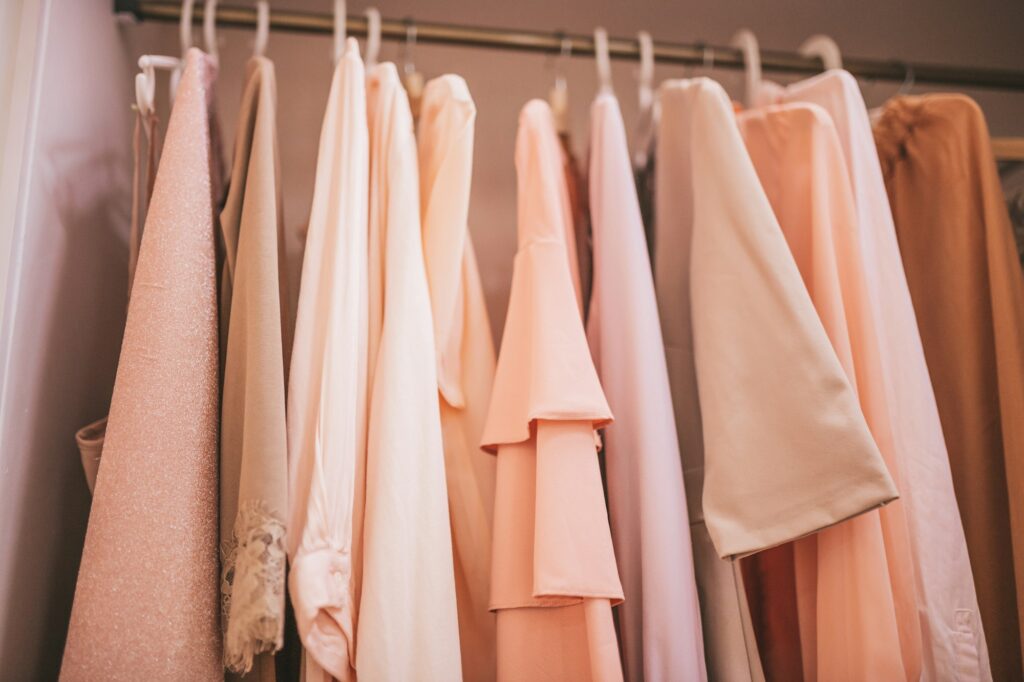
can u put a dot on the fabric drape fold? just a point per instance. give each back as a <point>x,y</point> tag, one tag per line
<point>327,390</point>
<point>146,602</point>
<point>965,281</point>
<point>659,623</point>
<point>554,576</point>
<point>255,337</point>
<point>408,620</point>
<point>465,350</point>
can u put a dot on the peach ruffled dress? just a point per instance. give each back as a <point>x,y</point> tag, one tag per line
<point>554,577</point>
<point>465,356</point>
<point>773,441</point>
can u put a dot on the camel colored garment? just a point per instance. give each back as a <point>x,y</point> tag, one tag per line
<point>554,577</point>
<point>965,281</point>
<point>253,452</point>
<point>408,622</point>
<point>843,636</point>
<point>90,438</point>
<point>146,602</point>
<point>327,383</point>
<point>659,622</point>
<point>952,638</point>
<point>465,357</point>
<point>769,426</point>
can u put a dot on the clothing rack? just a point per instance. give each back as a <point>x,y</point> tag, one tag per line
<point>582,46</point>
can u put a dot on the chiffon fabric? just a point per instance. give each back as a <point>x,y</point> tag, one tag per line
<point>659,623</point>
<point>554,577</point>
<point>327,391</point>
<point>254,335</point>
<point>968,294</point>
<point>408,626</point>
<point>842,635</point>
<point>774,445</point>
<point>947,604</point>
<point>146,602</point>
<point>465,356</point>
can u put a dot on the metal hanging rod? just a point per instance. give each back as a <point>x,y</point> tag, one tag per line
<point>582,46</point>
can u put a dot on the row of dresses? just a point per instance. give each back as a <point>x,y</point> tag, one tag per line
<point>754,417</point>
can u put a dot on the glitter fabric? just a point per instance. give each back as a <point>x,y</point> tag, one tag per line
<point>146,603</point>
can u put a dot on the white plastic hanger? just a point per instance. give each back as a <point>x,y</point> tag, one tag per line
<point>339,29</point>
<point>259,47</point>
<point>411,78</point>
<point>648,119</point>
<point>824,48</point>
<point>372,36</point>
<point>210,30</point>
<point>746,41</point>
<point>145,86</point>
<point>558,96</point>
<point>185,35</point>
<point>602,60</point>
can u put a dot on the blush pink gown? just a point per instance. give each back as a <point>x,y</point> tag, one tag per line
<point>554,577</point>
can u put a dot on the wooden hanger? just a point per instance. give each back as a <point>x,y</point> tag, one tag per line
<point>1008,148</point>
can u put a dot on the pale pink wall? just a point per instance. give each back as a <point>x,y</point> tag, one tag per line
<point>69,305</point>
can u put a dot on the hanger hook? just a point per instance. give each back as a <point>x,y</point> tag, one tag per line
<point>645,92</point>
<point>210,30</point>
<point>372,35</point>
<point>564,53</point>
<point>262,27</point>
<point>707,56</point>
<point>824,48</point>
<point>601,58</point>
<point>408,66</point>
<point>340,16</point>
<point>185,26</point>
<point>908,79</point>
<point>746,42</point>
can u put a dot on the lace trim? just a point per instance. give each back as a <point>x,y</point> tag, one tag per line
<point>252,586</point>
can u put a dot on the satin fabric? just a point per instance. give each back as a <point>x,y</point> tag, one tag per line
<point>843,635</point>
<point>146,601</point>
<point>465,356</point>
<point>327,384</point>
<point>554,577</point>
<point>947,604</point>
<point>966,284</point>
<point>659,623</point>
<point>774,445</point>
<point>255,333</point>
<point>408,622</point>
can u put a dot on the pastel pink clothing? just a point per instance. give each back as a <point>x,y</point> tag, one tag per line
<point>408,626</point>
<point>947,604</point>
<point>147,601</point>
<point>465,356</point>
<point>769,425</point>
<point>327,386</point>
<point>659,623</point>
<point>843,634</point>
<point>554,577</point>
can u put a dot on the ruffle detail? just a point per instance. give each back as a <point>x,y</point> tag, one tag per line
<point>252,586</point>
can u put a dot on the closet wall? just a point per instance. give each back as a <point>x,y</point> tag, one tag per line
<point>65,289</point>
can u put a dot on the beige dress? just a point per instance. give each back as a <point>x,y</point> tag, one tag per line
<point>255,336</point>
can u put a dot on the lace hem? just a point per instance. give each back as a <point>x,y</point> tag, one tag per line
<point>252,586</point>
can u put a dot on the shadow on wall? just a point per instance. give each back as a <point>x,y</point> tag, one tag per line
<point>66,343</point>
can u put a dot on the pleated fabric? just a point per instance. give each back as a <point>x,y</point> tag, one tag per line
<point>553,577</point>
<point>408,626</point>
<point>965,281</point>
<point>147,600</point>
<point>659,623</point>
<point>952,636</point>
<point>465,356</point>
<point>844,634</point>
<point>327,385</point>
<point>773,442</point>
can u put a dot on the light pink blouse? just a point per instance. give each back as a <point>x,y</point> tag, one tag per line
<point>659,622</point>
<point>553,578</point>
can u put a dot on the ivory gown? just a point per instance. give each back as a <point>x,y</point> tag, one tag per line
<point>659,623</point>
<point>465,356</point>
<point>554,577</point>
<point>773,442</point>
<point>147,599</point>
